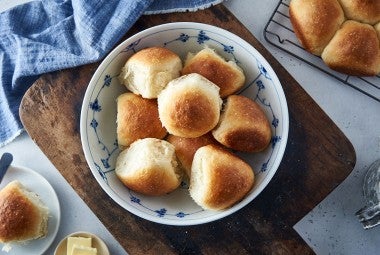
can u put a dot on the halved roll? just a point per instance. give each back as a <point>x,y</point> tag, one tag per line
<point>243,125</point>
<point>189,106</point>
<point>148,71</point>
<point>354,50</point>
<point>315,22</point>
<point>149,166</point>
<point>23,216</point>
<point>137,118</point>
<point>219,179</point>
<point>227,75</point>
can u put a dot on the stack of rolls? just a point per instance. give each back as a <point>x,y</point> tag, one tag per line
<point>345,33</point>
<point>177,128</point>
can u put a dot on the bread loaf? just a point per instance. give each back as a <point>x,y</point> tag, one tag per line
<point>343,32</point>
<point>149,166</point>
<point>137,118</point>
<point>219,179</point>
<point>148,71</point>
<point>243,125</point>
<point>228,76</point>
<point>23,216</point>
<point>189,106</point>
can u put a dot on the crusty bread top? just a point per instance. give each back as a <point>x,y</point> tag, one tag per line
<point>185,148</point>
<point>354,50</point>
<point>189,106</point>
<point>153,56</point>
<point>315,22</point>
<point>22,216</point>
<point>137,118</point>
<point>228,76</point>
<point>149,70</point>
<point>243,125</point>
<point>219,179</point>
<point>366,11</point>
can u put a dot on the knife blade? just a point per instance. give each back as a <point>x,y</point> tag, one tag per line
<point>5,161</point>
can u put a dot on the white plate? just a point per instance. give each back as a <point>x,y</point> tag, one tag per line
<point>38,184</point>
<point>98,118</point>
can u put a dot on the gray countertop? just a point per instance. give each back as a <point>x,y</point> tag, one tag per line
<point>331,227</point>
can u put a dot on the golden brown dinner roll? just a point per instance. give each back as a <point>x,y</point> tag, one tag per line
<point>315,22</point>
<point>189,106</point>
<point>219,179</point>
<point>137,118</point>
<point>148,71</point>
<point>366,11</point>
<point>149,166</point>
<point>185,148</point>
<point>227,75</point>
<point>354,50</point>
<point>243,125</point>
<point>23,216</point>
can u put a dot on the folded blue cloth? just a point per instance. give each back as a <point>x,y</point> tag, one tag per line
<point>43,36</point>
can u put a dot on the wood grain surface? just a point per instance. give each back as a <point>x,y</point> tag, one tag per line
<point>318,157</point>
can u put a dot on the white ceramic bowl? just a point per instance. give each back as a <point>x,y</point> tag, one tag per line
<point>98,119</point>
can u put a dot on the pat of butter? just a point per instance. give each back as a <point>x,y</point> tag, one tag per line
<point>83,250</point>
<point>79,241</point>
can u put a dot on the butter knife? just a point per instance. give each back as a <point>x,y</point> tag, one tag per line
<point>5,161</point>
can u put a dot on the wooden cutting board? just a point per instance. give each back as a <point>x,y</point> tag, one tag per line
<point>318,157</point>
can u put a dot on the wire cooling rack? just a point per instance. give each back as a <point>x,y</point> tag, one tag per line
<point>279,32</point>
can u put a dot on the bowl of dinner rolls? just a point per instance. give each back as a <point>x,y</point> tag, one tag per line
<point>184,123</point>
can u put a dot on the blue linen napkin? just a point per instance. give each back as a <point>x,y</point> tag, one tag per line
<point>44,36</point>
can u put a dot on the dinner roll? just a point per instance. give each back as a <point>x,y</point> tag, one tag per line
<point>23,216</point>
<point>243,125</point>
<point>315,22</point>
<point>228,76</point>
<point>185,148</point>
<point>149,166</point>
<point>219,179</point>
<point>189,106</point>
<point>354,50</point>
<point>137,118</point>
<point>365,11</point>
<point>148,71</point>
